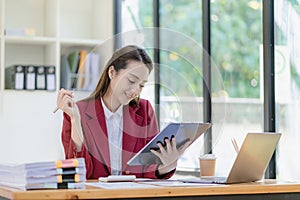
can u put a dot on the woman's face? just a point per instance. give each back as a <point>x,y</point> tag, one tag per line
<point>127,84</point>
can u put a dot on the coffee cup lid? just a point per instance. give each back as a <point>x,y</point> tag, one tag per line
<point>208,156</point>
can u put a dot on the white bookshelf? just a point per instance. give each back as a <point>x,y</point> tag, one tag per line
<point>29,130</point>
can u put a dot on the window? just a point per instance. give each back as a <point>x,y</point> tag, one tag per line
<point>236,37</point>
<point>137,23</point>
<point>287,85</point>
<point>237,72</point>
<point>181,70</point>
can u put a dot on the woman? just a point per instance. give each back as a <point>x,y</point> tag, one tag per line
<point>113,123</point>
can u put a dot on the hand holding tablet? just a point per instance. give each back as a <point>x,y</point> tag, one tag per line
<point>184,133</point>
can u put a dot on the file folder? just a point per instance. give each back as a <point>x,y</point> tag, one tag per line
<point>50,78</point>
<point>87,73</point>
<point>95,70</point>
<point>30,77</point>
<point>73,59</point>
<point>40,78</point>
<point>65,73</point>
<point>81,69</point>
<point>15,77</point>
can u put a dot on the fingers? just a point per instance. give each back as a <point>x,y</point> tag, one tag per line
<point>171,146</point>
<point>157,154</point>
<point>161,153</point>
<point>169,153</point>
<point>161,148</point>
<point>65,101</point>
<point>173,140</point>
<point>62,92</point>
<point>184,146</point>
<point>64,96</point>
<point>168,145</point>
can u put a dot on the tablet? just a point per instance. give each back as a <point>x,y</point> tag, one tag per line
<point>183,132</point>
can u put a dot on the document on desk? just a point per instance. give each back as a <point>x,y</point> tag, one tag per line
<point>120,185</point>
<point>147,183</point>
<point>174,183</point>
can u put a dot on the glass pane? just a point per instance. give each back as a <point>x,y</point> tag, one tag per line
<point>236,36</point>
<point>287,84</point>
<point>181,70</point>
<point>137,28</point>
<point>236,89</point>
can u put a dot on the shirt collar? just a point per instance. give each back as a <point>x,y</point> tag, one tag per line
<point>108,114</point>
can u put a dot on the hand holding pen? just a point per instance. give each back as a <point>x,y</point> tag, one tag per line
<point>65,102</point>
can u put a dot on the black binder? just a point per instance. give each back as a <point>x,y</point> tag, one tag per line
<point>50,78</point>
<point>15,77</point>
<point>40,82</point>
<point>30,77</point>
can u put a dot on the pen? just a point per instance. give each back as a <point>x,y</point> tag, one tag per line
<point>55,110</point>
<point>235,145</point>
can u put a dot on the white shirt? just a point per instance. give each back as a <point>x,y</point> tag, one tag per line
<point>114,124</point>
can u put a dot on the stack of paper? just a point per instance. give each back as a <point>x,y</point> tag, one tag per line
<point>60,174</point>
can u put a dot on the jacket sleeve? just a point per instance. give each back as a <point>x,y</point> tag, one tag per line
<point>70,148</point>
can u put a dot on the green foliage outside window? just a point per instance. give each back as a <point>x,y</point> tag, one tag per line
<point>236,36</point>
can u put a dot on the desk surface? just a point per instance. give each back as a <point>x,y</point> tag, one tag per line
<point>266,187</point>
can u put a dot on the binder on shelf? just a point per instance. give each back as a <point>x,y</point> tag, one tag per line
<point>50,78</point>
<point>65,73</point>
<point>73,59</point>
<point>40,78</point>
<point>30,77</point>
<point>95,71</point>
<point>20,31</point>
<point>15,77</point>
<point>87,73</point>
<point>81,69</point>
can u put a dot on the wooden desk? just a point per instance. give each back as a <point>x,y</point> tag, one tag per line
<point>269,189</point>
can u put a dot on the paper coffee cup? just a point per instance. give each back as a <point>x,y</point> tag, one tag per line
<point>207,165</point>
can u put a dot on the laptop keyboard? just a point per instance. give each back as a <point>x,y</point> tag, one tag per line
<point>213,179</point>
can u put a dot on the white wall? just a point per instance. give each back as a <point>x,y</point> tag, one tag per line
<point>29,130</point>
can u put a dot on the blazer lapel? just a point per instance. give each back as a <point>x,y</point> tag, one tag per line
<point>98,131</point>
<point>132,127</point>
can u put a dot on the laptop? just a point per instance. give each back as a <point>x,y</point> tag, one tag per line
<point>251,161</point>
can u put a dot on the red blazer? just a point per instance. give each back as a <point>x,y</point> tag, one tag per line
<point>139,127</point>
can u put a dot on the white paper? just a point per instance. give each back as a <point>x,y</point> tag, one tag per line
<point>175,183</point>
<point>118,178</point>
<point>120,185</point>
